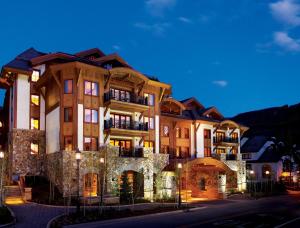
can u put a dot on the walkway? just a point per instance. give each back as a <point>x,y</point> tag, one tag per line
<point>35,215</point>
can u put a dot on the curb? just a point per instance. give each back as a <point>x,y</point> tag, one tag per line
<point>51,220</point>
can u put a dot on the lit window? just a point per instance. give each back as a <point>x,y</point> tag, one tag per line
<point>68,114</point>
<point>90,116</point>
<point>148,144</point>
<point>91,88</point>
<point>178,132</point>
<point>68,143</point>
<point>68,86</point>
<point>207,134</point>
<point>90,144</point>
<point>35,75</point>
<point>149,98</point>
<point>34,123</point>
<point>150,121</point>
<point>166,131</point>
<point>186,133</point>
<point>34,148</point>
<point>35,99</point>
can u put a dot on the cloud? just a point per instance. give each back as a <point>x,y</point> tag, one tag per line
<point>157,8</point>
<point>116,47</point>
<point>157,29</point>
<point>185,20</point>
<point>283,40</point>
<point>221,83</point>
<point>286,11</point>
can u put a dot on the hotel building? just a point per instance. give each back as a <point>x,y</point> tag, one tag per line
<point>122,122</point>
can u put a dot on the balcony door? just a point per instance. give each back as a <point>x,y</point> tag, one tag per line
<point>120,121</point>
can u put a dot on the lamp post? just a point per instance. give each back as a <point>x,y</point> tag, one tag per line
<point>78,158</point>
<point>102,162</point>
<point>179,166</point>
<point>2,167</point>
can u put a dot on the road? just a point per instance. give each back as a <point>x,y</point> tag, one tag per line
<point>269,212</point>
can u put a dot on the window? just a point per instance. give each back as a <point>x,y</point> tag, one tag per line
<point>166,131</point>
<point>249,166</point>
<point>120,121</point>
<point>35,75</point>
<point>68,143</point>
<point>149,98</point>
<point>178,132</point>
<point>90,144</point>
<point>220,136</point>
<point>34,123</point>
<point>34,148</point>
<point>177,151</point>
<point>91,88</point>
<point>35,100</point>
<point>220,150</point>
<point>246,156</point>
<point>150,121</point>
<point>266,171</point>
<point>90,116</point>
<point>165,149</point>
<point>149,144</point>
<point>124,144</point>
<point>207,134</point>
<point>184,152</point>
<point>68,114</point>
<point>186,133</point>
<point>68,86</point>
<point>120,95</point>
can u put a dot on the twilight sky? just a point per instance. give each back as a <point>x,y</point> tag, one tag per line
<point>237,55</point>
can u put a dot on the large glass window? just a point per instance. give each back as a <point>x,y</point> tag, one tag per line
<point>90,144</point>
<point>34,123</point>
<point>35,100</point>
<point>149,144</point>
<point>120,121</point>
<point>150,121</point>
<point>68,86</point>
<point>68,114</point>
<point>178,132</point>
<point>91,88</point>
<point>90,116</point>
<point>207,134</point>
<point>150,98</point>
<point>35,75</point>
<point>207,151</point>
<point>121,95</point>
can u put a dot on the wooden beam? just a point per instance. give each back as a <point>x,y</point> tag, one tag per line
<point>105,111</point>
<point>106,137</point>
<point>197,127</point>
<point>232,131</point>
<point>141,140</point>
<point>56,79</point>
<point>42,92</point>
<point>79,73</point>
<point>162,91</point>
<point>124,77</point>
<point>174,124</point>
<point>141,87</point>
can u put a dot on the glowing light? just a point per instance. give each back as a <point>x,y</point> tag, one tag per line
<point>267,172</point>
<point>251,171</point>
<point>101,160</point>
<point>179,166</point>
<point>78,155</point>
<point>1,154</point>
<point>14,201</point>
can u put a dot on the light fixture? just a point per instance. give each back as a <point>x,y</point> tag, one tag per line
<point>78,155</point>
<point>1,125</point>
<point>179,166</point>
<point>101,160</point>
<point>1,154</point>
<point>251,171</point>
<point>267,172</point>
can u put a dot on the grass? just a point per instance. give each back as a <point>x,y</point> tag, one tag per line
<point>5,216</point>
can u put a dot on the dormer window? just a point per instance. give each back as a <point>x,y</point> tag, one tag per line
<point>108,66</point>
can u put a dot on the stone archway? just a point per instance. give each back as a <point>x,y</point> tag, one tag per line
<point>131,184</point>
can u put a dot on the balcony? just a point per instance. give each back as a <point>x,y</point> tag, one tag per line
<point>225,140</point>
<point>132,103</point>
<point>132,128</point>
<point>131,152</point>
<point>225,157</point>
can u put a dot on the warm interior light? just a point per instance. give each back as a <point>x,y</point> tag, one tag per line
<point>251,172</point>
<point>101,160</point>
<point>1,125</point>
<point>1,154</point>
<point>267,172</point>
<point>179,165</point>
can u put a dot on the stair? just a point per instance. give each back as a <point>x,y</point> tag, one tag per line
<point>13,195</point>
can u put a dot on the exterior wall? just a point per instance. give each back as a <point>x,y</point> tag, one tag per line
<point>42,114</point>
<point>157,135</point>
<point>275,174</point>
<point>23,102</point>
<point>200,139</point>
<point>80,127</point>
<point>24,163</point>
<point>52,131</point>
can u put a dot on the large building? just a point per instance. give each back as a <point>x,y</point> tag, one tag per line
<point>123,123</point>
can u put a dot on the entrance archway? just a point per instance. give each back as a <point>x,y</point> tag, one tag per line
<point>90,187</point>
<point>131,185</point>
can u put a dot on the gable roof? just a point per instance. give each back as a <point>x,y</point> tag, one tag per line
<point>254,144</point>
<point>110,57</point>
<point>89,52</point>
<point>189,100</point>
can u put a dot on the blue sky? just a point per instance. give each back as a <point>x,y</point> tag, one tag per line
<point>237,55</point>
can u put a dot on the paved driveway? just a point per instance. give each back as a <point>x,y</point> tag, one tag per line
<point>35,215</point>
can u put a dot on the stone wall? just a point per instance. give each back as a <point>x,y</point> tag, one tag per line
<point>22,162</point>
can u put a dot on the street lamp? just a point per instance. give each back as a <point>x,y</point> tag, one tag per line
<point>2,169</point>
<point>179,166</point>
<point>251,172</point>
<point>78,158</point>
<point>102,161</point>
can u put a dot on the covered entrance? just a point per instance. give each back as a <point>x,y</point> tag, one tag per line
<point>90,184</point>
<point>131,186</point>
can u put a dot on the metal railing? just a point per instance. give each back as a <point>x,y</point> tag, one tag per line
<point>128,125</point>
<point>225,139</point>
<point>131,99</point>
<point>131,152</point>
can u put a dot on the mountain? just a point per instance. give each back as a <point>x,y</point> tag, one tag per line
<point>280,122</point>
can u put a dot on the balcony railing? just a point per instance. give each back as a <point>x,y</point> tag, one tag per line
<point>178,155</point>
<point>131,152</point>
<point>132,125</point>
<point>225,157</point>
<point>131,99</point>
<point>225,139</point>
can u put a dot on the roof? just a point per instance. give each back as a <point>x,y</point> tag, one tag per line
<point>269,155</point>
<point>254,144</point>
<point>22,61</point>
